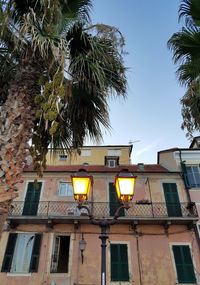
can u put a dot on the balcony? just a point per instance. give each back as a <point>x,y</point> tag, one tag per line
<point>55,212</point>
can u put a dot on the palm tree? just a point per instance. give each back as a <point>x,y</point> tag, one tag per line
<point>58,72</point>
<point>186,52</point>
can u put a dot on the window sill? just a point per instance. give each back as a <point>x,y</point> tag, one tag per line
<point>121,282</point>
<point>59,274</point>
<point>18,274</point>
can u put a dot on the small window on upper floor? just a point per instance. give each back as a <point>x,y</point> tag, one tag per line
<point>86,152</point>
<point>112,161</point>
<point>193,175</point>
<point>62,157</point>
<point>114,152</point>
<point>65,189</point>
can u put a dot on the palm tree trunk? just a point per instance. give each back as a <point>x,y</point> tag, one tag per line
<point>16,125</point>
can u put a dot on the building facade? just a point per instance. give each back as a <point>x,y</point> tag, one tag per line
<point>153,242</point>
<point>187,161</point>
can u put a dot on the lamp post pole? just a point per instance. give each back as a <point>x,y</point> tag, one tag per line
<point>124,184</point>
<point>103,237</point>
<point>104,224</point>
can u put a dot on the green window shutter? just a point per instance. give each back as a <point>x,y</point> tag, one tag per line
<point>184,264</point>
<point>124,262</point>
<point>35,253</point>
<point>6,266</point>
<point>185,176</point>
<point>119,262</point>
<point>172,200</point>
<point>114,262</point>
<point>32,199</point>
<point>113,201</point>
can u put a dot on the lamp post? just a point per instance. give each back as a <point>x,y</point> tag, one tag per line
<point>124,185</point>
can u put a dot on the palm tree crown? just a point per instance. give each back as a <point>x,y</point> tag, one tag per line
<point>57,71</point>
<point>186,53</point>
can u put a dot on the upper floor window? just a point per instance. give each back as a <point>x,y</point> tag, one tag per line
<point>65,189</point>
<point>193,175</point>
<point>62,157</point>
<point>22,253</point>
<point>86,152</point>
<point>114,152</point>
<point>112,161</point>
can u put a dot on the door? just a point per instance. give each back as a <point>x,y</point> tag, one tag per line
<point>172,200</point>
<point>113,201</point>
<point>32,198</point>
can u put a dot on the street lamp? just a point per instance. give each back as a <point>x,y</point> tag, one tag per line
<point>124,184</point>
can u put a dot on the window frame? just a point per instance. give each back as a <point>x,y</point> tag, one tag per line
<point>35,253</point>
<point>67,194</point>
<point>193,173</point>
<point>114,159</point>
<point>86,152</point>
<point>130,268</point>
<point>71,248</point>
<point>63,157</point>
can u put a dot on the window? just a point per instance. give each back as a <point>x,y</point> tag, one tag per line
<point>86,152</point>
<point>111,161</point>
<point>184,264</point>
<point>60,254</point>
<point>173,205</point>
<point>193,175</point>
<point>119,262</point>
<point>62,157</point>
<point>22,253</point>
<point>114,152</point>
<point>65,189</point>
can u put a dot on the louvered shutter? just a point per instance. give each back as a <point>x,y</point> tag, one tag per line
<point>172,200</point>
<point>35,253</point>
<point>119,262</point>
<point>124,263</point>
<point>184,264</point>
<point>7,262</point>
<point>185,175</point>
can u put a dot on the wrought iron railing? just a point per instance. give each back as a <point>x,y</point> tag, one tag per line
<point>102,209</point>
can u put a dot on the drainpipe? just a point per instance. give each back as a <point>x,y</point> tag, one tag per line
<point>182,173</point>
<point>138,258</point>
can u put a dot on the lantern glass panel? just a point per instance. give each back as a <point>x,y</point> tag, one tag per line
<point>81,185</point>
<point>126,186</point>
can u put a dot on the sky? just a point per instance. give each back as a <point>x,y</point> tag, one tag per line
<point>150,116</point>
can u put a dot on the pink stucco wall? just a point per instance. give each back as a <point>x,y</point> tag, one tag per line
<point>149,246</point>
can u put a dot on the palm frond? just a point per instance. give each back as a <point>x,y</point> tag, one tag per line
<point>184,44</point>
<point>189,71</point>
<point>190,11</point>
<point>96,62</point>
<point>191,108</point>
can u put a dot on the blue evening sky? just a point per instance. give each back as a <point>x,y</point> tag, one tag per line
<point>151,114</point>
